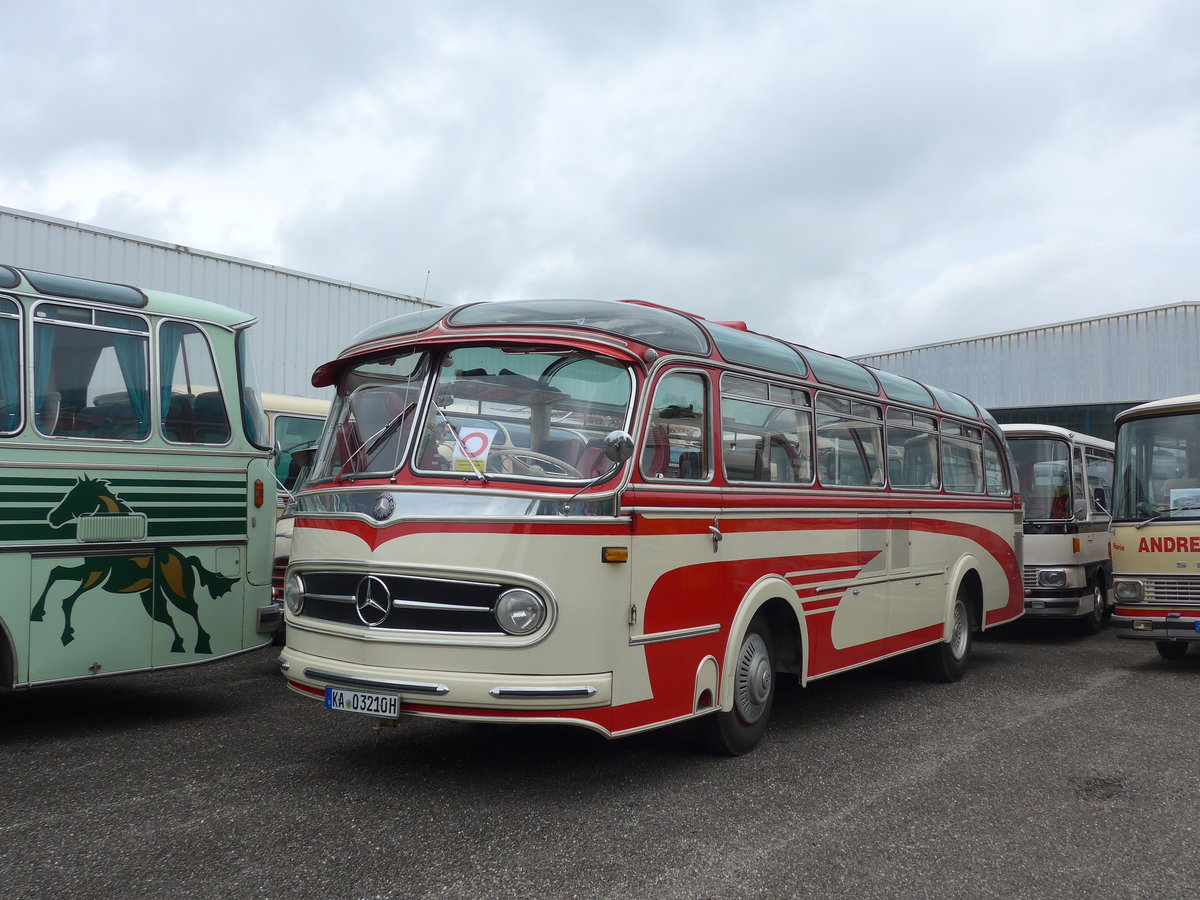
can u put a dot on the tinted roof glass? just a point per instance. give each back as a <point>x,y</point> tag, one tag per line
<point>85,289</point>
<point>756,350</point>
<point>660,328</point>
<point>409,323</point>
<point>954,403</point>
<point>842,372</point>
<point>897,387</point>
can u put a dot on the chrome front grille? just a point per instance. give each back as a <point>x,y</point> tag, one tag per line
<point>1173,591</point>
<point>1029,576</point>
<point>415,603</point>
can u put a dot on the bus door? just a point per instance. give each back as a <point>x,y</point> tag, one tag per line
<point>676,555</point>
<point>87,615</point>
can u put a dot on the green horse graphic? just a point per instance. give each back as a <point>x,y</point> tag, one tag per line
<point>159,576</point>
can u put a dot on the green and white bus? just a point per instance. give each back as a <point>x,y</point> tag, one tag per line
<point>138,513</point>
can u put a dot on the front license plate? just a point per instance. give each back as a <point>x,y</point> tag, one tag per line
<point>382,706</point>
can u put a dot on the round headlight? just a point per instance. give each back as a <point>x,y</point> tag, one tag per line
<point>520,611</point>
<point>293,594</point>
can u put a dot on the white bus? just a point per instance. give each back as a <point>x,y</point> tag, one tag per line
<point>620,516</point>
<point>1156,525</point>
<point>1066,484</point>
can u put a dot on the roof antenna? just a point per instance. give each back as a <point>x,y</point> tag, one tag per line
<point>426,290</point>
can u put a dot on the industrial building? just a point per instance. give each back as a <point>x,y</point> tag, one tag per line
<point>1077,375</point>
<point>1074,374</point>
<point>304,320</point>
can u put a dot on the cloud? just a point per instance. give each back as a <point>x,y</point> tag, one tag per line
<point>856,176</point>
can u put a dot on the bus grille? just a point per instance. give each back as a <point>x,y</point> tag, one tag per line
<point>1173,591</point>
<point>417,604</point>
<point>1029,576</point>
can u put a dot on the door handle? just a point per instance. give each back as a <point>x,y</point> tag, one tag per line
<point>717,537</point>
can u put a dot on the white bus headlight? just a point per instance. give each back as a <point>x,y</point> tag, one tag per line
<point>1052,578</point>
<point>293,594</point>
<point>1128,591</point>
<point>520,611</point>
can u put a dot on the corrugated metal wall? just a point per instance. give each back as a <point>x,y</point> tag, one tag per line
<point>303,320</point>
<point>1125,358</point>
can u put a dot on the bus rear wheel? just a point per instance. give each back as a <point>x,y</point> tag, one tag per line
<point>1171,649</point>
<point>737,731</point>
<point>947,661</point>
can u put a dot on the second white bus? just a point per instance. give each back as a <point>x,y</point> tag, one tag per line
<point>1066,483</point>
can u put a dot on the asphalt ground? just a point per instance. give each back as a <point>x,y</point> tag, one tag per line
<point>1061,766</point>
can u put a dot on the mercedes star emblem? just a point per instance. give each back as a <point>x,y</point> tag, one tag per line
<point>373,600</point>
<point>384,506</point>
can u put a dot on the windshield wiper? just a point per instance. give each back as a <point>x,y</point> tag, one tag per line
<point>1193,507</point>
<point>372,443</point>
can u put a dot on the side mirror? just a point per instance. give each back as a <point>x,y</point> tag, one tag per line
<point>618,446</point>
<point>1100,500</point>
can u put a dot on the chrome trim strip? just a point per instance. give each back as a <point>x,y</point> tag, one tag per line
<point>412,687</point>
<point>542,693</point>
<point>332,598</point>
<point>445,607</point>
<point>678,635</point>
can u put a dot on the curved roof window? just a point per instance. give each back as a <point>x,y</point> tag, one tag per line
<point>409,323</point>
<point>9,277</point>
<point>656,327</point>
<point>84,289</point>
<point>756,350</point>
<point>841,372</point>
<point>897,387</point>
<point>954,403</point>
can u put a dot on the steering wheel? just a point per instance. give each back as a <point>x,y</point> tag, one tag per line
<point>540,461</point>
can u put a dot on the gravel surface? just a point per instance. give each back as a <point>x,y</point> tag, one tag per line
<point>1061,766</point>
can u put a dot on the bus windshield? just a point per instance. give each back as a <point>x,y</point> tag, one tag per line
<point>491,412</point>
<point>1044,470</point>
<point>1158,468</point>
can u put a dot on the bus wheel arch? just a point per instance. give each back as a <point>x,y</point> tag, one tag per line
<point>8,658</point>
<point>764,638</point>
<point>751,695</point>
<point>948,659</point>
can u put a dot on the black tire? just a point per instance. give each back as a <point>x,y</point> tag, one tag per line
<point>1094,621</point>
<point>737,731</point>
<point>1171,649</point>
<point>947,661</point>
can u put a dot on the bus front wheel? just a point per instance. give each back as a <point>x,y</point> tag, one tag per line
<point>1171,649</point>
<point>947,661</point>
<point>737,731</point>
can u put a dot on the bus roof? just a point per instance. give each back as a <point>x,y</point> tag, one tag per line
<point>286,403</point>
<point>70,287</point>
<point>1168,405</point>
<point>659,328</point>
<point>1032,429</point>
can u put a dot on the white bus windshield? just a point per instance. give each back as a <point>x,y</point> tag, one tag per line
<point>1158,468</point>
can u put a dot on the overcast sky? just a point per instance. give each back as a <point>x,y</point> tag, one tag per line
<point>856,176</point>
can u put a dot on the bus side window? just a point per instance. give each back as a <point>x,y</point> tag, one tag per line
<point>10,372</point>
<point>676,445</point>
<point>84,361</point>
<point>192,405</point>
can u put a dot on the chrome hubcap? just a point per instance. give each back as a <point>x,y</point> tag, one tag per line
<point>752,681</point>
<point>960,633</point>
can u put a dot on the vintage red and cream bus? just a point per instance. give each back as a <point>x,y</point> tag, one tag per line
<point>1156,524</point>
<point>621,516</point>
